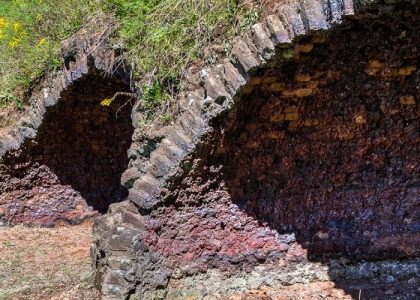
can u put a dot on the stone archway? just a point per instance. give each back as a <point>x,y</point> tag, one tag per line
<point>72,168</point>
<point>326,145</point>
<point>288,156</point>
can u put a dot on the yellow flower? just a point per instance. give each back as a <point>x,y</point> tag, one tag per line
<point>14,43</point>
<point>3,22</point>
<point>16,26</point>
<point>106,102</point>
<point>41,41</point>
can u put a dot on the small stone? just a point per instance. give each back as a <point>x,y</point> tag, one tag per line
<point>390,292</point>
<point>360,119</point>
<point>412,281</point>
<point>177,274</point>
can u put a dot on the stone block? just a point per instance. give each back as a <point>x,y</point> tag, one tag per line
<point>302,77</point>
<point>277,87</point>
<point>277,30</point>
<point>277,117</point>
<point>246,58</point>
<point>261,40</point>
<point>292,116</point>
<point>313,15</point>
<point>289,14</point>
<point>407,100</point>
<point>304,92</point>
<point>406,71</point>
<point>303,48</point>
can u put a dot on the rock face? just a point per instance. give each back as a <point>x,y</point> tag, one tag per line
<point>72,150</point>
<point>294,160</point>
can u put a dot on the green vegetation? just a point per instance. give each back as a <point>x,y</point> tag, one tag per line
<point>160,38</point>
<point>30,35</point>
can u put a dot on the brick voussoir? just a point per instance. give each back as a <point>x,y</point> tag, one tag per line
<point>333,9</point>
<point>313,15</point>
<point>348,8</point>
<point>142,199</point>
<point>213,84</point>
<point>261,39</point>
<point>289,14</point>
<point>231,76</point>
<point>244,56</point>
<point>160,165</point>
<point>172,151</point>
<point>279,34</point>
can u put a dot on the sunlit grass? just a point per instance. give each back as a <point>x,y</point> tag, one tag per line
<point>159,37</point>
<point>30,35</point>
<point>162,37</point>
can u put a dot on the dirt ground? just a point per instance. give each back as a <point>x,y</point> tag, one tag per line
<point>46,263</point>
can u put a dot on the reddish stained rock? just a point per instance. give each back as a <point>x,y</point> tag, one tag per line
<point>220,230</point>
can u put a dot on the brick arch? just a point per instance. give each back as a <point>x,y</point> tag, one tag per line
<point>64,159</point>
<point>204,213</point>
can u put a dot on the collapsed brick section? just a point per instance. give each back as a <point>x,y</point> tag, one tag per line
<point>72,169</point>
